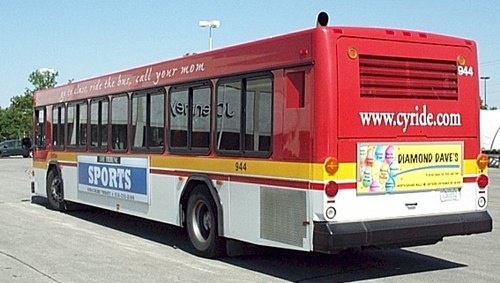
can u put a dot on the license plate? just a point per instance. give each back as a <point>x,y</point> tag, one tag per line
<point>450,195</point>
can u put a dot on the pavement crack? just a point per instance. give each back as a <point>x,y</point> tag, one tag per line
<point>30,266</point>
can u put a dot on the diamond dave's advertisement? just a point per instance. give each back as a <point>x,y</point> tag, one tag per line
<point>401,167</point>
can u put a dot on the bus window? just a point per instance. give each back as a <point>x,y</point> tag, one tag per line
<point>258,115</point>
<point>178,118</point>
<point>40,114</point>
<point>190,132</point>
<point>148,112</point>
<point>119,122</point>
<point>228,116</point>
<point>244,116</point>
<point>156,127</point>
<point>99,124</point>
<point>201,118</point>
<point>139,121</point>
<point>58,120</point>
<point>77,124</point>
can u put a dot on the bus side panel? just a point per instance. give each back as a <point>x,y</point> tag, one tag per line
<point>39,180</point>
<point>268,216</point>
<point>162,204</point>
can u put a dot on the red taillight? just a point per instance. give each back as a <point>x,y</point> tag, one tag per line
<point>482,181</point>
<point>331,189</point>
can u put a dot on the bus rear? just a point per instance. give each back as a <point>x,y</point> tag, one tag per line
<point>397,122</point>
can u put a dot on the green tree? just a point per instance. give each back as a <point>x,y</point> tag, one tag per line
<point>16,120</point>
<point>3,124</point>
<point>43,78</point>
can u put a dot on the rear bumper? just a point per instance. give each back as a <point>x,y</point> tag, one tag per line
<point>332,237</point>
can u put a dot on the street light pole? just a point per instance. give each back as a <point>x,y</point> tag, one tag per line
<point>210,24</point>
<point>485,79</point>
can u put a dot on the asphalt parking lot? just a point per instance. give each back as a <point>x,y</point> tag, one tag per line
<point>92,245</point>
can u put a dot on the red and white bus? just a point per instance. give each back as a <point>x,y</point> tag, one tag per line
<point>318,140</point>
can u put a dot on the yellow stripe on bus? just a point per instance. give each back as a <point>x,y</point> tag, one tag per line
<point>246,167</point>
<point>470,167</point>
<point>257,168</point>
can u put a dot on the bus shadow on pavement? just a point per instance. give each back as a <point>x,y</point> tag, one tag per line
<point>349,265</point>
<point>165,234</point>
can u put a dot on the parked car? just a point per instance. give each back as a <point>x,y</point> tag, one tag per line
<point>16,147</point>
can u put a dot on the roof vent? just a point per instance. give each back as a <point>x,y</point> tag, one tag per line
<point>322,20</point>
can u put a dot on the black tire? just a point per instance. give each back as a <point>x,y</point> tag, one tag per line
<point>55,191</point>
<point>202,224</point>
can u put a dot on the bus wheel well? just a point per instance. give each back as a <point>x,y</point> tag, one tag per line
<point>52,167</point>
<point>55,189</point>
<point>55,168</point>
<point>191,184</point>
<point>185,197</point>
<point>202,219</point>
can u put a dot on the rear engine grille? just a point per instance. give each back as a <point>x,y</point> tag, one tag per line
<point>396,77</point>
<point>282,216</point>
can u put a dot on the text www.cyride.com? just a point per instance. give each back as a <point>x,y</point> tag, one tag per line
<point>406,119</point>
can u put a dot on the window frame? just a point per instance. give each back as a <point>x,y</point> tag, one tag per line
<point>189,149</point>
<point>111,133</point>
<point>61,128</point>
<point>99,148</point>
<point>40,129</point>
<point>148,93</point>
<point>243,79</point>
<point>77,146</point>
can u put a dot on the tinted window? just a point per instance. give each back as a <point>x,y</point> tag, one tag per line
<point>58,120</point>
<point>244,116</point>
<point>179,109</point>
<point>40,114</point>
<point>77,124</point>
<point>99,123</point>
<point>189,114</point>
<point>229,96</point>
<point>119,122</point>
<point>148,112</point>
<point>258,115</point>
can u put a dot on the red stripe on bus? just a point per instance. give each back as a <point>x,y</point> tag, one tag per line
<point>262,181</point>
<point>470,179</point>
<point>255,180</point>
<point>68,164</point>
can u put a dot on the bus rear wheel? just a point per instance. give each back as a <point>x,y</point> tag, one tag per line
<point>55,192</point>
<point>202,224</point>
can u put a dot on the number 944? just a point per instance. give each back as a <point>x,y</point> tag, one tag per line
<point>465,71</point>
<point>240,166</point>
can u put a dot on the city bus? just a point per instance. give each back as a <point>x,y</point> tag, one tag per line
<point>319,140</point>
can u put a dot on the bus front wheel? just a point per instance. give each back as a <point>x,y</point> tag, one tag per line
<point>202,223</point>
<point>55,196</point>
